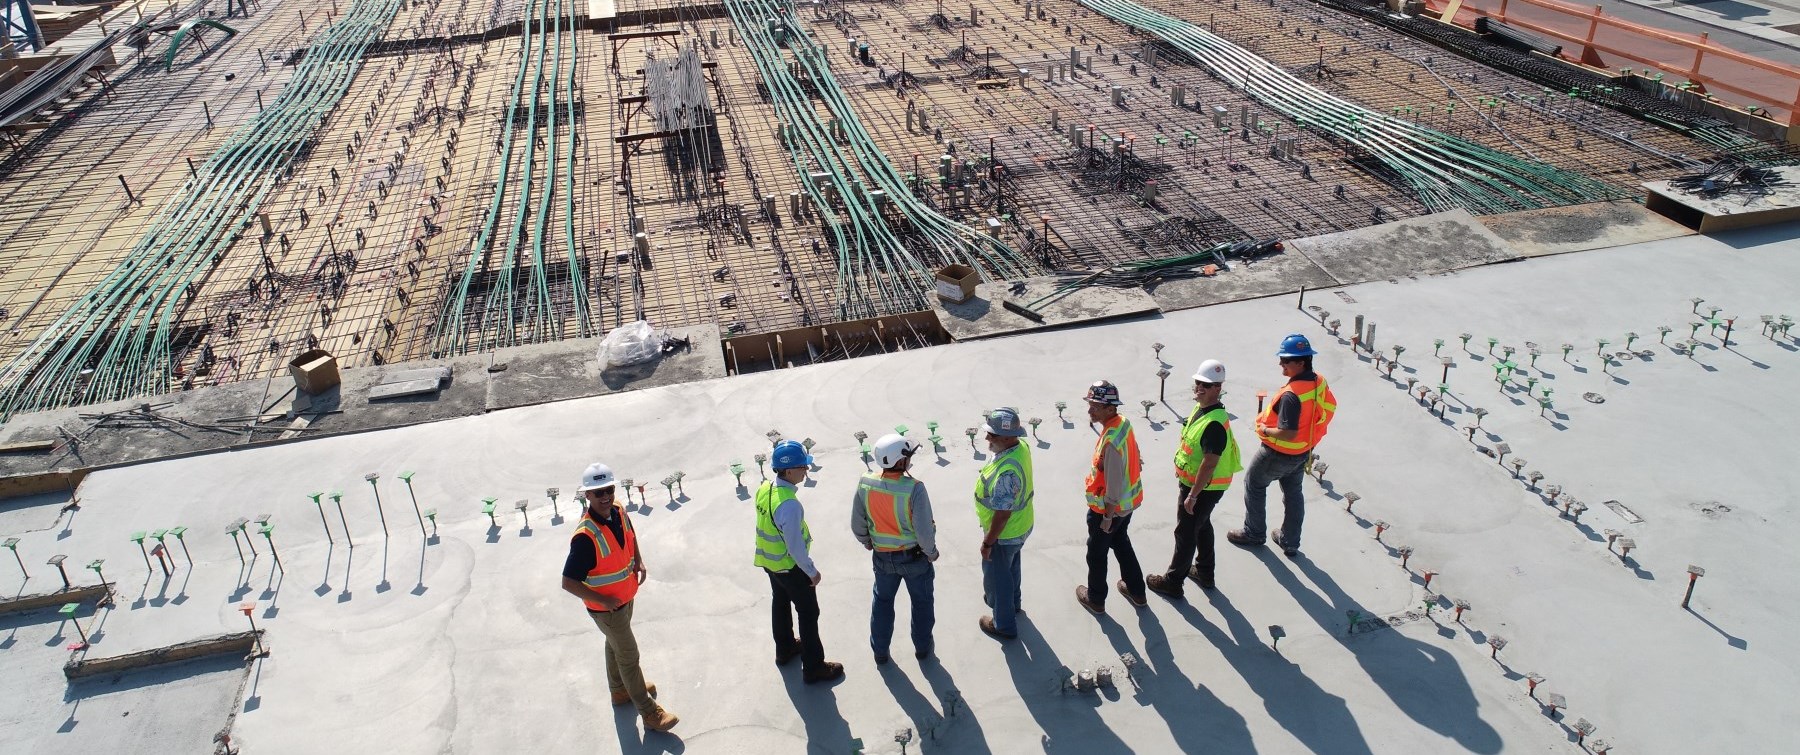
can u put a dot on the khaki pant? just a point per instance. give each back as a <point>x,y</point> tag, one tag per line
<point>622,671</point>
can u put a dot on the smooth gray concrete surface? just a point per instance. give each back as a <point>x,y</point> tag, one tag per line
<point>984,315</point>
<point>466,644</point>
<point>1578,228</point>
<point>1415,246</point>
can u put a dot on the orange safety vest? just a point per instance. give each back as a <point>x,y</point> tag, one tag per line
<point>1117,434</point>
<point>611,575</point>
<point>1317,407</point>
<point>887,510</point>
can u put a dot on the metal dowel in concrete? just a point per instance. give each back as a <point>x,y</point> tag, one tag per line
<point>1301,305</point>
<point>232,530</point>
<point>1694,575</point>
<point>68,613</point>
<point>1532,680</point>
<point>1356,334</point>
<point>407,478</point>
<point>1162,387</point>
<point>268,533</point>
<point>1555,702</point>
<point>337,498</point>
<point>1147,403</point>
<point>1461,605</point>
<point>57,561</point>
<point>1663,333</point>
<point>129,197</point>
<point>1063,405</point>
<point>521,505</point>
<point>1582,727</point>
<point>1350,499</point>
<point>1500,452</point>
<point>1428,575</point>
<point>207,108</point>
<point>249,608</point>
<point>552,493</point>
<point>1448,363</point>
<point>12,544</point>
<point>1381,526</point>
<point>1405,552</point>
<point>323,523</point>
<point>1625,546</point>
<point>1496,642</point>
<point>1156,351</point>
<point>95,565</point>
<point>1034,422</point>
<point>372,479</point>
<point>180,533</point>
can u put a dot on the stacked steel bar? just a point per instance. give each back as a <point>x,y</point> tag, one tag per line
<point>883,267</point>
<point>116,340</point>
<point>544,84</point>
<point>1444,171</point>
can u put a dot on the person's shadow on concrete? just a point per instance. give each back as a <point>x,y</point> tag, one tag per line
<point>826,729</point>
<point>1320,720</point>
<point>1070,720</point>
<point>1421,679</point>
<point>635,741</point>
<point>1198,720</point>
<point>953,728</point>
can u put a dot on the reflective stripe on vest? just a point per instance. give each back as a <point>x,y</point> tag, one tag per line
<point>611,575</point>
<point>887,509</point>
<point>1119,436</point>
<point>1018,461</point>
<point>771,548</point>
<point>1317,407</point>
<point>1189,457</point>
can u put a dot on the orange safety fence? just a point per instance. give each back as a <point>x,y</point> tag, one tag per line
<point>1589,36</point>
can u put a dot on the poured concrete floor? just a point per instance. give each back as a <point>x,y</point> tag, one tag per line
<point>466,644</point>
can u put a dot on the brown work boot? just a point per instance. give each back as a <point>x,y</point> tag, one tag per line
<point>660,720</point>
<point>1239,537</point>
<point>1162,585</point>
<point>829,671</point>
<point>1203,579</point>
<point>1136,600</point>
<point>623,697</point>
<point>1096,606</point>
<point>987,625</point>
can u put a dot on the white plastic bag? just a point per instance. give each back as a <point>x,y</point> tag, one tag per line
<point>629,344</point>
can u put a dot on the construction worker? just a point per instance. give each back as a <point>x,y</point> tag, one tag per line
<point>1003,506</point>
<point>1290,428</point>
<point>892,517</point>
<point>1204,464</point>
<point>783,542</point>
<point>604,570</point>
<point>1114,490</point>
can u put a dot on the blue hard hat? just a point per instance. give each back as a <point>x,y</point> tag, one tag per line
<point>1295,345</point>
<point>789,454</point>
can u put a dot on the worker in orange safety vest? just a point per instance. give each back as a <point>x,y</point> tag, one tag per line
<point>1290,428</point>
<point>1114,490</point>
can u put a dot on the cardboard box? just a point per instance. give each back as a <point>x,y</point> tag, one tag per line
<point>956,283</point>
<point>314,371</point>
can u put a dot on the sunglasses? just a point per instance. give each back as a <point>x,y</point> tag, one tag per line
<point>1293,361</point>
<point>605,493</point>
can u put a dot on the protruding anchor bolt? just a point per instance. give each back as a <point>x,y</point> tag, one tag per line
<point>1600,746</point>
<point>1319,469</point>
<point>1465,340</point>
<point>1496,642</point>
<point>1147,403</point>
<point>1405,552</point>
<point>1350,499</point>
<point>1533,477</point>
<point>680,474</point>
<point>1492,342</point>
<point>1518,465</point>
<point>1437,345</point>
<point>1555,702</point>
<point>1694,575</point>
<point>774,437</point>
<point>1500,451</point>
<point>1428,575</point>
<point>761,459</point>
<point>668,484</point>
<point>1566,348</point>
<point>1575,510</point>
<point>1162,387</point>
<point>1696,300</point>
<point>737,472</point>
<point>552,493</point>
<point>1276,632</point>
<point>1461,605</point>
<point>1334,326</point>
<point>1630,338</point>
<point>1480,413</point>
<point>1535,352</point>
<point>1428,602</point>
<point>1611,536</point>
<point>1034,422</point>
<point>970,431</point>
<point>1625,546</point>
<point>1381,526</point>
<point>1156,348</point>
<point>862,440</point>
<point>1532,680</point>
<point>1060,406</point>
<point>1600,347</point>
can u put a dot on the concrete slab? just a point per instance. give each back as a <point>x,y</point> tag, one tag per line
<point>402,389</point>
<point>1415,246</point>
<point>569,369</point>
<point>484,652</point>
<point>1578,228</point>
<point>1277,274</point>
<point>983,315</point>
<point>436,374</point>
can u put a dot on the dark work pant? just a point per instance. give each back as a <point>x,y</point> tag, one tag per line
<point>1118,541</point>
<point>1289,471</point>
<point>892,569</point>
<point>1193,535</point>
<point>794,594</point>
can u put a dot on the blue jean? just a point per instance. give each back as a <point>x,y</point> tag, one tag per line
<point>1000,582</point>
<point>1267,467</point>
<point>890,570</point>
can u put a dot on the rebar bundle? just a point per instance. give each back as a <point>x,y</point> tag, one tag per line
<point>116,340</point>
<point>511,314</point>
<point>1730,177</point>
<point>886,238</point>
<point>1445,172</point>
<point>677,91</point>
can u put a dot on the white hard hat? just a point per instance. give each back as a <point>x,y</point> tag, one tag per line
<point>891,448</point>
<point>1211,371</point>
<point>596,477</point>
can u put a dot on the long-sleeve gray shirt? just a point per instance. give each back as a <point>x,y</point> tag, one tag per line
<point>790,518</point>
<point>924,528</point>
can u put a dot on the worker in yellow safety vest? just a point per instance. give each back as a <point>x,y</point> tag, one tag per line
<point>1204,464</point>
<point>892,517</point>
<point>1290,428</point>
<point>1114,490</point>
<point>783,550</point>
<point>604,569</point>
<point>1003,495</point>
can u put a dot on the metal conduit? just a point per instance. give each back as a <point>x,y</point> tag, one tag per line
<point>116,340</point>
<point>1446,172</point>
<point>882,267</point>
